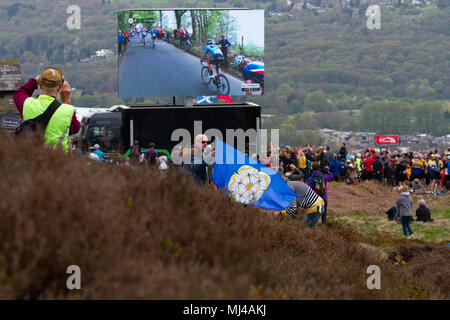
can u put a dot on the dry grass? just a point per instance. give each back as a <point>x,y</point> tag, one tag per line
<point>140,234</point>
<point>372,198</point>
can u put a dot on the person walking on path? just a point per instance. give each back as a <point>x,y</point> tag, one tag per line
<point>404,204</point>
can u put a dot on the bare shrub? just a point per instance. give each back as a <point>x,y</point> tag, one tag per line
<point>141,234</point>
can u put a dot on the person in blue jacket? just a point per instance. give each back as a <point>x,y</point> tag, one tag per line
<point>120,41</point>
<point>335,167</point>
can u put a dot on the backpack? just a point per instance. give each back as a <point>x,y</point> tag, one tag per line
<point>152,157</point>
<point>40,122</point>
<point>319,186</point>
<point>343,169</point>
<point>433,166</point>
<point>385,161</point>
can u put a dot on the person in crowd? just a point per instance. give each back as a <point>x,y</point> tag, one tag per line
<point>186,39</point>
<point>404,204</point>
<point>135,151</point>
<point>329,155</point>
<point>312,204</point>
<point>308,168</point>
<point>434,167</point>
<point>385,158</point>
<point>335,168</point>
<point>181,37</point>
<point>163,162</point>
<point>266,160</point>
<point>200,157</point>
<point>401,172</point>
<point>352,170</point>
<point>318,182</point>
<point>368,165</point>
<point>120,41</point>
<point>168,33</point>
<point>417,186</point>
<point>423,213</point>
<point>308,153</point>
<point>151,156</point>
<point>322,158</point>
<point>416,168</point>
<point>293,159</point>
<point>75,147</point>
<point>391,174</point>
<point>358,163</point>
<point>64,122</point>
<point>99,153</point>
<point>343,152</point>
<point>392,212</point>
<point>446,183</point>
<point>293,173</point>
<point>302,162</point>
<point>284,160</point>
<point>224,45</point>
<point>378,169</point>
<point>343,168</point>
<point>408,170</point>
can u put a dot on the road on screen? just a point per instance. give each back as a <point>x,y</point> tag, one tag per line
<point>164,71</point>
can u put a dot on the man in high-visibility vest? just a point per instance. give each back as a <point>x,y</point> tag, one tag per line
<point>434,167</point>
<point>64,122</point>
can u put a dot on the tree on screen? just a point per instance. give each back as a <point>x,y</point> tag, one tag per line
<point>178,15</point>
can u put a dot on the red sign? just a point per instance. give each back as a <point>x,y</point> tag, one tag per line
<point>387,139</point>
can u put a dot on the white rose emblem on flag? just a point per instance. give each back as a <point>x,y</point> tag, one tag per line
<point>248,184</point>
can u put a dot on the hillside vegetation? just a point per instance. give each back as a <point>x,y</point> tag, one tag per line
<point>143,234</point>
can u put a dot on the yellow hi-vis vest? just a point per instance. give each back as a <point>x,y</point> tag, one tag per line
<point>302,162</point>
<point>57,131</point>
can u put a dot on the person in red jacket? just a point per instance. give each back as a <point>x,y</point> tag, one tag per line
<point>368,166</point>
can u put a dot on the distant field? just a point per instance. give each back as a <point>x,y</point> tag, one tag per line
<point>143,234</point>
<point>436,231</point>
<point>364,205</point>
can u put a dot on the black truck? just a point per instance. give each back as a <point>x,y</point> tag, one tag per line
<point>116,131</point>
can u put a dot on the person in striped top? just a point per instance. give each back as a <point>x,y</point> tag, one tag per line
<point>308,200</point>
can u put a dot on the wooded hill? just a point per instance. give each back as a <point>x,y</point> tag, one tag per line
<point>322,62</point>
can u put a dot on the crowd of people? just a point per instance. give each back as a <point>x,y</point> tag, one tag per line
<point>416,170</point>
<point>144,35</point>
<point>306,169</point>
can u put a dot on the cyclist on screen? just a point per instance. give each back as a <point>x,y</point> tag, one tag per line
<point>214,55</point>
<point>153,34</point>
<point>144,35</point>
<point>252,71</point>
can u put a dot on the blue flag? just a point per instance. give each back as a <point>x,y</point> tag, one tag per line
<point>248,181</point>
<point>206,99</point>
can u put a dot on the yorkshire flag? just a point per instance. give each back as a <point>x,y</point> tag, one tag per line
<point>248,181</point>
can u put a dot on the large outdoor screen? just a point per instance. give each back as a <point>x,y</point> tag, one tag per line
<point>195,52</point>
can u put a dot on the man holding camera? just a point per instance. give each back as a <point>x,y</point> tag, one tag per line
<point>63,122</point>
